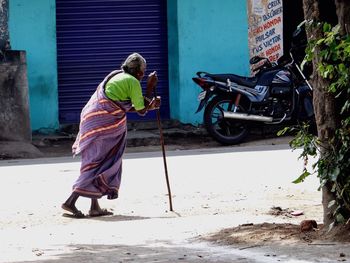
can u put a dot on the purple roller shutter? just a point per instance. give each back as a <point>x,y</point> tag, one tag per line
<point>95,36</point>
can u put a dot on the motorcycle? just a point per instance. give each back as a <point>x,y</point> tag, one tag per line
<point>277,93</point>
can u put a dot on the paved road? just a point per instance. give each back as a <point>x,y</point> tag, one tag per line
<point>212,189</point>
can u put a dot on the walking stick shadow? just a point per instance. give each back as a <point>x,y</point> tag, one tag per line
<point>118,218</point>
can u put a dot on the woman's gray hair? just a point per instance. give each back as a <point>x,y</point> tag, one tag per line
<point>133,64</point>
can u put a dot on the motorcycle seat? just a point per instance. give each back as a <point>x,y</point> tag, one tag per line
<point>244,81</point>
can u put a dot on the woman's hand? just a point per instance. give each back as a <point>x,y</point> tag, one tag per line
<point>155,104</point>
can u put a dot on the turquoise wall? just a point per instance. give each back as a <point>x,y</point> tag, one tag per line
<point>204,35</point>
<point>32,26</point>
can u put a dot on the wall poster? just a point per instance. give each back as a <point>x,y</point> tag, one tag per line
<point>265,28</point>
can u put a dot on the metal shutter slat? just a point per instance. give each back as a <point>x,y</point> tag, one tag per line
<point>95,36</point>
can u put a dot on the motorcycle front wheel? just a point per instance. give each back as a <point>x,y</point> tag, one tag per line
<point>224,131</point>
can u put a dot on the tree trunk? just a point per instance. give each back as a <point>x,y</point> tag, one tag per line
<point>324,103</point>
<point>343,13</point>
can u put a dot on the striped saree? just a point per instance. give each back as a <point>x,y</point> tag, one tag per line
<point>101,142</point>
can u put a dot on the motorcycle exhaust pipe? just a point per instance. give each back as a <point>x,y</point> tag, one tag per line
<point>245,116</point>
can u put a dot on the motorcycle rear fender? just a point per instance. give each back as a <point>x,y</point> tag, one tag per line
<point>204,101</point>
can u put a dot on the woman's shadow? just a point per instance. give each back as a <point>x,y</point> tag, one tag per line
<point>116,218</point>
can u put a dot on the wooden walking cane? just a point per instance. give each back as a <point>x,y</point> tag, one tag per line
<point>163,150</point>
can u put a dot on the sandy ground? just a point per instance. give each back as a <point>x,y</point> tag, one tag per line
<point>224,202</point>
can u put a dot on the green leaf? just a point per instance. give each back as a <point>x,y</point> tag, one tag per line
<point>342,67</point>
<point>284,131</point>
<point>334,187</point>
<point>326,27</point>
<point>320,41</point>
<point>345,107</point>
<point>331,203</point>
<point>340,218</point>
<point>302,65</point>
<point>302,177</point>
<point>335,173</point>
<point>324,53</point>
<point>336,29</point>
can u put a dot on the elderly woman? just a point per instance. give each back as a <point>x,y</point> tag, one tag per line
<point>102,133</point>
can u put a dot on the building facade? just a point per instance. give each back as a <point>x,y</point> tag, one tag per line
<point>71,45</point>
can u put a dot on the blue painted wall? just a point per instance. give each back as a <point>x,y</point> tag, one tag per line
<point>204,35</point>
<point>32,26</point>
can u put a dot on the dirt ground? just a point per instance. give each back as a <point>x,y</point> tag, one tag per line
<point>308,232</point>
<point>264,234</point>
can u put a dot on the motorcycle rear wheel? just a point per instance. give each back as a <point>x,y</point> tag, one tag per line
<point>224,131</point>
